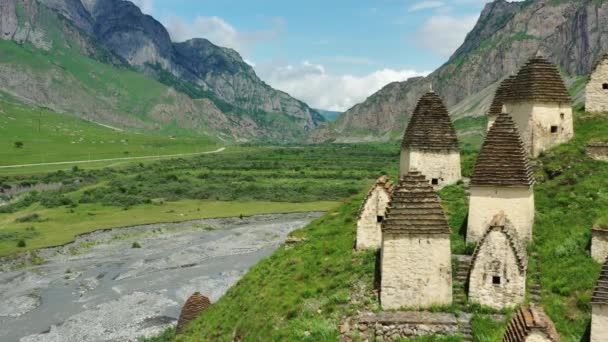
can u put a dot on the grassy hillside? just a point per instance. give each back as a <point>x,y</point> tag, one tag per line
<point>35,135</point>
<point>303,293</point>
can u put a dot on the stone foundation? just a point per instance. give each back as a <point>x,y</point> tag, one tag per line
<point>598,150</point>
<point>394,326</point>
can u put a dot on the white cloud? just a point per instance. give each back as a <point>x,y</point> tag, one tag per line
<point>314,85</point>
<point>146,6</point>
<point>218,31</point>
<point>422,5</point>
<point>443,34</point>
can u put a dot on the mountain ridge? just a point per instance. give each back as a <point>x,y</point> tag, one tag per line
<point>571,34</point>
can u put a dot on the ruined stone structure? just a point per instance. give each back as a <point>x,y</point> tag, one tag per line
<point>531,324</point>
<point>371,214</point>
<point>540,106</point>
<point>596,93</point>
<point>498,101</point>
<point>416,263</point>
<point>395,326</point>
<point>598,150</point>
<point>599,308</point>
<point>430,144</point>
<point>498,268</point>
<point>502,181</point>
<point>599,243</point>
<point>196,304</point>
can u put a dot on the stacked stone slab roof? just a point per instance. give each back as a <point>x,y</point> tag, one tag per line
<point>501,223</point>
<point>415,208</point>
<point>538,81</point>
<point>196,304</point>
<point>382,182</point>
<point>503,160</point>
<point>430,127</point>
<point>499,96</point>
<point>527,320</point>
<point>600,293</point>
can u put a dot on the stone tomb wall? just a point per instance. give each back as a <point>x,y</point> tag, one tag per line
<point>542,125</point>
<point>486,202</point>
<point>596,93</point>
<point>369,234</point>
<point>599,244</point>
<point>598,150</point>
<point>394,326</point>
<point>444,166</point>
<point>416,271</point>
<point>599,323</point>
<point>496,279</point>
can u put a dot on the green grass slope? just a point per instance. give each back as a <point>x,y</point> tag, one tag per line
<point>302,293</point>
<point>47,136</point>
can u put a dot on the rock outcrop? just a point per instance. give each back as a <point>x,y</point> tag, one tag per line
<point>571,34</point>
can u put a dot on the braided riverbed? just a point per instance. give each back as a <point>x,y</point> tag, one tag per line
<point>101,288</point>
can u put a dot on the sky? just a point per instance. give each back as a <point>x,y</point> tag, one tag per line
<point>332,54</point>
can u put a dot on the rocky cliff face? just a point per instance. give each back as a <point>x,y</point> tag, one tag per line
<point>144,42</point>
<point>572,34</point>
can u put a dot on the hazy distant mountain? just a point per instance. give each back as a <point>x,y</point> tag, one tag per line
<point>571,33</point>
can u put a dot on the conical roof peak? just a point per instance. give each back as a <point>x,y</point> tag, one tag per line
<point>196,304</point>
<point>430,127</point>
<point>415,208</point>
<point>503,160</point>
<point>539,81</point>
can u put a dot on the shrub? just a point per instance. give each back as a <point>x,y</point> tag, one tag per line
<point>18,144</point>
<point>28,218</point>
<point>21,243</point>
<point>136,245</point>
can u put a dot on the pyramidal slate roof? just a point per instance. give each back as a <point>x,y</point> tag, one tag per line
<point>600,293</point>
<point>196,304</point>
<point>538,80</point>
<point>415,208</point>
<point>499,96</point>
<point>527,320</point>
<point>503,160</point>
<point>430,127</point>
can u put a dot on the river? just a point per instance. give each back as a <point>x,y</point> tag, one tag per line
<point>100,288</point>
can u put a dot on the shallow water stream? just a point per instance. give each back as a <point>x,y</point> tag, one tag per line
<point>100,288</point>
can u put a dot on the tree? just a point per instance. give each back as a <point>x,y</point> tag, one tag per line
<point>18,144</point>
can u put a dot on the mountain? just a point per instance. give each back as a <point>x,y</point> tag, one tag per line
<point>570,33</point>
<point>72,56</point>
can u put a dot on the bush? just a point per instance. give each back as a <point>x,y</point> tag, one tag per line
<point>136,245</point>
<point>21,243</point>
<point>18,144</point>
<point>28,218</point>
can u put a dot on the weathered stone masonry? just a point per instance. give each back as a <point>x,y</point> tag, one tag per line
<point>416,263</point>
<point>372,213</point>
<point>498,268</point>
<point>502,181</point>
<point>499,98</point>
<point>596,93</point>
<point>430,144</point>
<point>540,105</point>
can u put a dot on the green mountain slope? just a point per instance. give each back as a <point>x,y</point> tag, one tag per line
<point>302,293</point>
<point>47,61</point>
